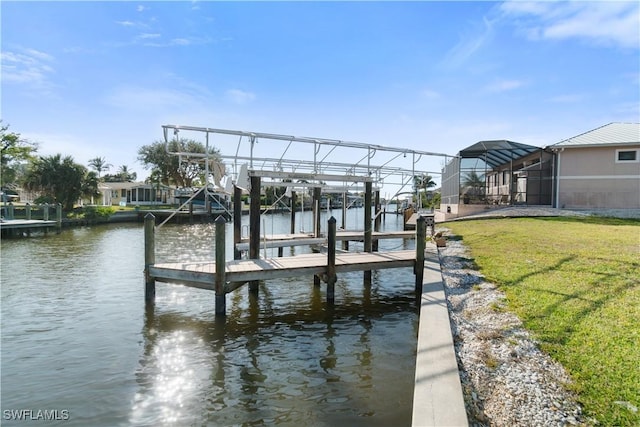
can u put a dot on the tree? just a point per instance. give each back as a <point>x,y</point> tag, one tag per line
<point>123,175</point>
<point>60,179</point>
<point>126,175</point>
<point>99,164</point>
<point>183,170</point>
<point>15,151</point>
<point>474,185</point>
<point>421,183</point>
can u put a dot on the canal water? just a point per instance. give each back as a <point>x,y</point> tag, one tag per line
<point>78,343</point>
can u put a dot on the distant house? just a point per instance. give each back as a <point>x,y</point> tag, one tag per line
<point>133,193</point>
<point>599,168</point>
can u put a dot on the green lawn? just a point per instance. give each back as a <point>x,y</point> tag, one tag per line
<point>575,283</point>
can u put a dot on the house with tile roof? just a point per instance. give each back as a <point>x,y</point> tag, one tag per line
<point>599,169</point>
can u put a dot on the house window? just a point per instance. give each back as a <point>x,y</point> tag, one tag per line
<point>626,156</point>
<point>123,193</point>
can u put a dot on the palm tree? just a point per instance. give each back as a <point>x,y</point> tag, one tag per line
<point>422,183</point>
<point>475,183</point>
<point>99,164</point>
<point>126,175</point>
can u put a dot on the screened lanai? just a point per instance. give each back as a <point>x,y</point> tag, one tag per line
<point>496,172</point>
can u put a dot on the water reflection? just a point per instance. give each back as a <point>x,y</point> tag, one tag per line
<point>310,364</point>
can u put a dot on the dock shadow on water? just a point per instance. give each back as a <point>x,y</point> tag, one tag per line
<point>281,359</point>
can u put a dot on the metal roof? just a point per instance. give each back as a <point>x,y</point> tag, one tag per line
<point>609,134</point>
<point>496,153</point>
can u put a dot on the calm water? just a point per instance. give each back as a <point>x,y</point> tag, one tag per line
<point>76,337</point>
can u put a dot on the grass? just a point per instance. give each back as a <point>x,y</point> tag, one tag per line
<point>575,283</point>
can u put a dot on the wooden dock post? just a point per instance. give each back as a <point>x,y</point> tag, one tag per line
<point>376,221</point>
<point>27,211</point>
<point>149,257</point>
<point>345,201</point>
<point>220,266</point>
<point>293,212</point>
<point>317,194</point>
<point>331,260</point>
<point>237,221</point>
<point>58,218</point>
<point>254,227</point>
<point>367,227</point>
<point>418,269</point>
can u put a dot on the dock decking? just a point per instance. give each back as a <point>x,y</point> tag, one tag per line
<point>202,274</point>
<point>14,227</point>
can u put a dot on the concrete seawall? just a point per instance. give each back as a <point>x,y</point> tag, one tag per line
<point>438,399</point>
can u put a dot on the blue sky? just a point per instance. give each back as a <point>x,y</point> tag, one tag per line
<point>98,79</point>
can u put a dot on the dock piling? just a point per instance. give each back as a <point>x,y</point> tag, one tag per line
<point>331,260</point>
<point>220,266</point>
<point>293,212</point>
<point>367,228</point>
<point>421,235</point>
<point>237,220</point>
<point>58,218</point>
<point>149,258</point>
<point>254,227</point>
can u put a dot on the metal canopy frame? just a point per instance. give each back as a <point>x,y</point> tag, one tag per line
<point>320,170</point>
<point>496,153</point>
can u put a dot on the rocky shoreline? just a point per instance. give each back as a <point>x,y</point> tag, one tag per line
<point>506,379</point>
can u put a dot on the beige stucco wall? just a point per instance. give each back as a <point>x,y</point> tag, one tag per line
<point>590,177</point>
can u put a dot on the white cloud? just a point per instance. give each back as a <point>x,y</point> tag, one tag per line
<point>601,23</point>
<point>470,44</point>
<point>141,98</point>
<point>149,36</point>
<point>240,97</point>
<point>141,8</point>
<point>504,86</point>
<point>27,66</point>
<point>126,23</point>
<point>430,94</point>
<point>570,98</point>
<point>181,41</point>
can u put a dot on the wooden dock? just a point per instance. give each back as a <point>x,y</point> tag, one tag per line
<point>11,227</point>
<point>202,274</point>
<point>224,276</point>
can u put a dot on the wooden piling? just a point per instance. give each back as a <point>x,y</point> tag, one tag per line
<point>367,227</point>
<point>237,221</point>
<point>331,260</point>
<point>421,235</point>
<point>293,212</point>
<point>254,227</point>
<point>149,258</point>
<point>317,194</point>
<point>220,266</point>
<point>58,218</point>
<point>27,211</point>
<point>376,222</point>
